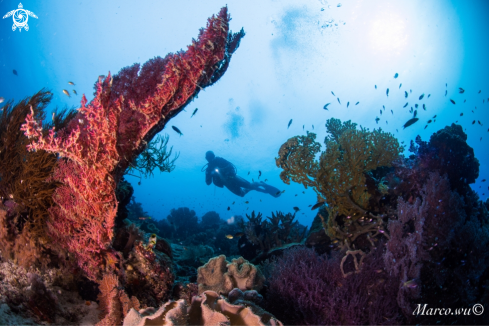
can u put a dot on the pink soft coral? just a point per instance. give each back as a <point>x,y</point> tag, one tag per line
<point>106,135</point>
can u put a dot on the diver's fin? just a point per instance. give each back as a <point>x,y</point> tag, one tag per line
<point>271,190</point>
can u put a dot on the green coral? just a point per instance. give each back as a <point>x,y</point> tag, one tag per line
<point>339,177</point>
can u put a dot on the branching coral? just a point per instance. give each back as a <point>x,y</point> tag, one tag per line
<point>339,178</point>
<point>155,155</point>
<point>111,131</point>
<point>308,289</point>
<point>24,179</point>
<point>278,230</point>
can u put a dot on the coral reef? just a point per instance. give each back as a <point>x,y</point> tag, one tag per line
<point>24,185</point>
<point>183,221</point>
<point>307,289</point>
<point>221,276</point>
<point>340,176</point>
<point>110,132</point>
<point>206,309</point>
<point>261,236</point>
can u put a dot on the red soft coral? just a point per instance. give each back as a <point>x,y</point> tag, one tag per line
<point>106,135</point>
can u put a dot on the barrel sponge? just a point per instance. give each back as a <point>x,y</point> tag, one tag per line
<point>244,275</point>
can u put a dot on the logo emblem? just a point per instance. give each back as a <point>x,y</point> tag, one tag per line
<point>20,17</point>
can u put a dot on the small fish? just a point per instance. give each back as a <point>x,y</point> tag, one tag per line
<point>396,75</point>
<point>249,172</point>
<point>483,180</point>
<point>453,102</point>
<point>446,85</point>
<point>247,202</point>
<point>265,180</point>
<point>290,122</point>
<point>239,235</point>
<point>145,218</point>
<point>416,105</point>
<point>380,112</point>
<point>302,127</point>
<point>400,85</point>
<point>2,99</point>
<point>405,94</point>
<point>75,92</point>
<point>383,106</point>
<point>357,103</point>
<point>473,122</point>
<point>461,90</point>
<point>429,95</point>
<point>465,101</point>
<point>278,192</point>
<point>377,120</point>
<point>379,271</point>
<point>479,122</point>
<point>15,71</point>
<point>410,122</point>
<point>325,107</point>
<point>66,93</point>
<point>434,117</point>
<point>424,107</point>
<point>233,203</point>
<point>259,174</point>
<point>479,91</point>
<point>295,208</point>
<point>71,83</point>
<point>244,244</point>
<point>338,100</point>
<point>347,104</point>
<point>229,208</point>
<point>195,111</point>
<point>386,122</point>
<point>410,91</point>
<point>429,121</point>
<point>387,92</point>
<point>410,284</point>
<point>461,114</point>
<point>446,93</point>
<point>375,86</point>
<point>415,113</point>
<point>421,96</point>
<point>312,127</point>
<point>392,112</point>
<point>229,236</point>
<point>332,93</point>
<point>177,130</point>
<point>425,126</point>
<point>406,104</point>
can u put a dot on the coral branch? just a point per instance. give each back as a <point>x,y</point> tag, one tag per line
<point>109,133</point>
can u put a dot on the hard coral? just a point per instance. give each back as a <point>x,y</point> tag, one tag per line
<point>221,276</point>
<point>109,133</point>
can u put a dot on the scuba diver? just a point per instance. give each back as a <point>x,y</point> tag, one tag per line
<point>223,174</point>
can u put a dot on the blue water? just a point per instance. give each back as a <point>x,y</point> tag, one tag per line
<point>293,55</point>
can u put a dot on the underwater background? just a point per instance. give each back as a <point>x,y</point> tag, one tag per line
<point>294,54</point>
<point>377,63</point>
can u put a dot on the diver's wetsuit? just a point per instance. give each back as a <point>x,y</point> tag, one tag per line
<point>223,174</point>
